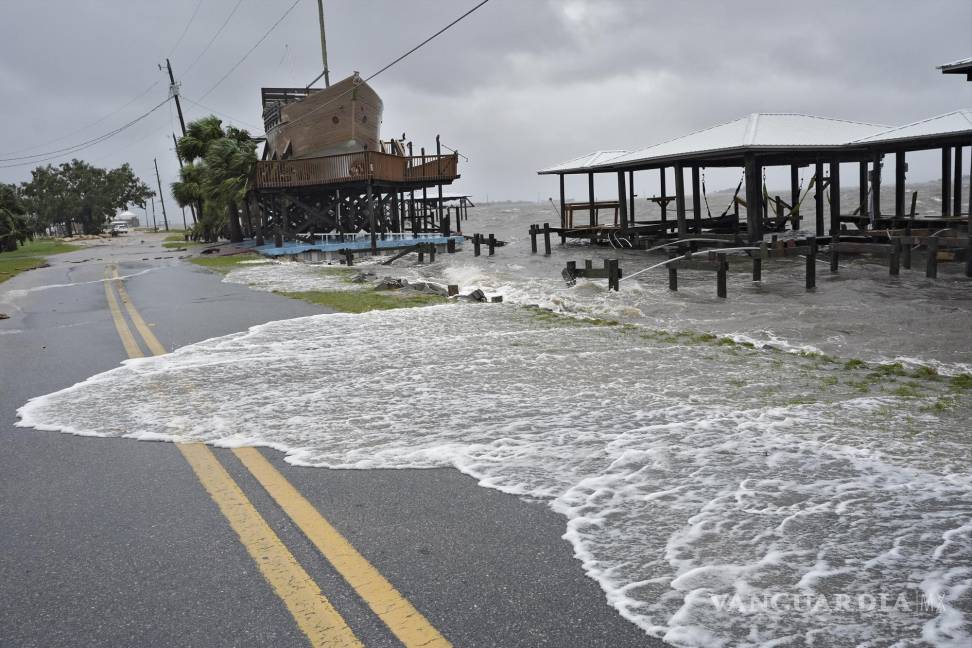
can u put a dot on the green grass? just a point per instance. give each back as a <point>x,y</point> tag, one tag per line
<point>30,256</point>
<point>224,263</point>
<point>961,381</point>
<point>363,301</point>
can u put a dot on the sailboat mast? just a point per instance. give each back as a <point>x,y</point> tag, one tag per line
<point>320,15</point>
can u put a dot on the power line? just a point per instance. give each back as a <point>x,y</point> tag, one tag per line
<point>222,114</point>
<point>400,58</point>
<point>250,51</point>
<point>186,28</point>
<point>83,128</point>
<point>53,155</point>
<point>215,36</point>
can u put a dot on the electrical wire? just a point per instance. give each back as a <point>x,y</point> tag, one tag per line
<point>222,114</point>
<point>79,147</point>
<point>213,39</point>
<point>250,51</point>
<point>185,30</point>
<point>400,58</point>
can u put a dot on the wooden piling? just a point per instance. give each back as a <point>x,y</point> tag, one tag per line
<point>590,198</point>
<point>563,201</point>
<point>721,275</point>
<point>946,181</point>
<point>957,189</point>
<point>622,206</point>
<point>476,243</point>
<point>894,264</point>
<point>664,203</point>
<point>491,244</point>
<point>931,264</point>
<point>672,278</point>
<point>906,243</point>
<point>431,252</point>
<point>819,198</point>
<point>453,290</point>
<point>451,246</point>
<point>757,269</point>
<point>834,196</point>
<point>546,239</point>
<point>900,165</point>
<point>795,196</point>
<point>680,201</point>
<point>533,239</point>
<point>348,257</point>
<point>811,282</point>
<point>696,201</point>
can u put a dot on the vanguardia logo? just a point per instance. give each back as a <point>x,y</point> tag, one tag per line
<point>905,601</point>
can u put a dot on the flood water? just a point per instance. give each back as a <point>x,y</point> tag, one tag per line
<point>776,468</point>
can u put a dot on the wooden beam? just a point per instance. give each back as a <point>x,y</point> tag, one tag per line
<point>754,198</point>
<point>876,187</point>
<point>862,207</point>
<point>696,201</point>
<point>622,203</point>
<point>663,204</point>
<point>795,195</point>
<point>957,190</point>
<point>631,199</point>
<point>819,197</point>
<point>590,196</point>
<point>834,196</point>
<point>680,201</point>
<point>900,165</point>
<point>946,181</point>
<point>563,213</point>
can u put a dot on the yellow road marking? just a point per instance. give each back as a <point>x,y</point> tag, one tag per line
<point>315,615</point>
<point>150,340</point>
<point>407,623</point>
<point>128,340</point>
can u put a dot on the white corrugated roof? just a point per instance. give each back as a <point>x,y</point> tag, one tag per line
<point>758,130</point>
<point>585,161</point>
<point>958,63</point>
<point>957,121</point>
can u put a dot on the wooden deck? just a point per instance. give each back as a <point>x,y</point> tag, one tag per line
<point>360,166</point>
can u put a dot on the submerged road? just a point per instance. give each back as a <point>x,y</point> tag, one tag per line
<point>115,542</point>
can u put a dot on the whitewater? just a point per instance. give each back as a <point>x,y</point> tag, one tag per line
<point>705,454</point>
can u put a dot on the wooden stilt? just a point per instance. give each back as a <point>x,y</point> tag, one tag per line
<point>946,181</point>
<point>590,198</point>
<point>900,167</point>
<point>834,196</point>
<point>795,196</point>
<point>546,239</point>
<point>664,203</point>
<point>757,269</point>
<point>696,202</point>
<point>563,209</point>
<point>931,264</point>
<point>957,178</point>
<point>834,250</point>
<point>476,243</point>
<point>721,275</point>
<point>680,201</point>
<point>491,244</point>
<point>754,199</point>
<point>533,239</point>
<point>819,198</point>
<point>811,282</point>
<point>894,267</point>
<point>631,197</point>
<point>622,204</point>
<point>876,188</point>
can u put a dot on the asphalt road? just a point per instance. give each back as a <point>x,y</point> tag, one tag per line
<point>114,542</point>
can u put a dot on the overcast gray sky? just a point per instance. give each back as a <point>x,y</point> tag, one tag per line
<point>519,85</point>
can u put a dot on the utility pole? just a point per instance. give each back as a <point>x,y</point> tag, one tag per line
<point>327,74</point>
<point>158,179</point>
<point>174,89</point>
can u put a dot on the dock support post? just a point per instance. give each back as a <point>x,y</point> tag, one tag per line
<point>819,198</point>
<point>946,181</point>
<point>546,239</point>
<point>757,269</point>
<point>680,201</point>
<point>611,265</point>
<point>491,244</point>
<point>876,188</point>
<point>622,204</point>
<point>957,189</point>
<point>563,209</point>
<point>431,252</point>
<point>834,250</point>
<point>421,254</point>
<point>696,201</point>
<point>894,264</point>
<point>862,191</point>
<point>754,199</point>
<point>811,263</point>
<point>906,243</point>
<point>533,239</point>
<point>664,203</point>
<point>672,278</point>
<point>795,196</point>
<point>834,196</point>
<point>721,273</point>
<point>348,257</point>
<point>451,246</point>
<point>590,198</point>
<point>900,167</point>
<point>931,265</point>
<point>476,239</point>
<point>968,227</point>
<point>631,197</point>
<point>371,219</point>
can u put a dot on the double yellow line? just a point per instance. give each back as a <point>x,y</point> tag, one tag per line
<point>310,608</point>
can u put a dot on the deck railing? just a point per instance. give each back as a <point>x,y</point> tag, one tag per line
<point>351,167</point>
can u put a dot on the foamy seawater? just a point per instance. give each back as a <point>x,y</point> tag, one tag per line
<point>721,495</point>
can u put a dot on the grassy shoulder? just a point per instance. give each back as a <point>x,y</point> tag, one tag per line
<point>30,256</point>
<point>365,300</point>
<point>224,264</point>
<point>177,239</point>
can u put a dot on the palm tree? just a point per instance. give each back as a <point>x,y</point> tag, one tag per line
<point>218,163</point>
